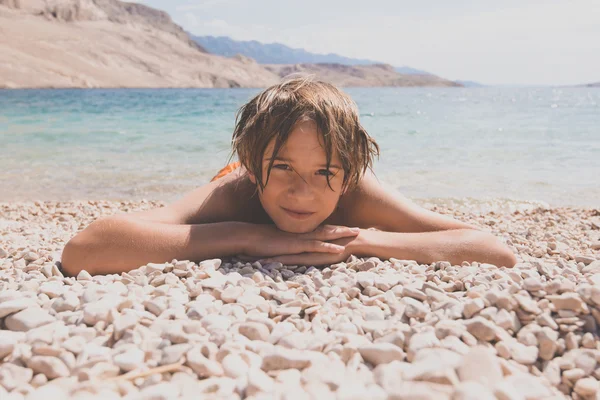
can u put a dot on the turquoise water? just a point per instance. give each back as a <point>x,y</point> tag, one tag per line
<point>539,144</point>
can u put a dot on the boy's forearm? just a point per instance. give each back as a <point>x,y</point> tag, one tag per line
<point>455,246</point>
<point>119,244</point>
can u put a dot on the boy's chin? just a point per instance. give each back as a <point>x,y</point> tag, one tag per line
<point>295,228</point>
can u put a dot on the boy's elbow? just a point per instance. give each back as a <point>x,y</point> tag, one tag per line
<point>501,254</point>
<point>72,259</point>
<point>79,252</point>
<point>506,259</point>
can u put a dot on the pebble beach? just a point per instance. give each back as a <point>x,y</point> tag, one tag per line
<point>361,329</point>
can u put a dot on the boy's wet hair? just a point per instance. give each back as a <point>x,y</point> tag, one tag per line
<point>273,114</point>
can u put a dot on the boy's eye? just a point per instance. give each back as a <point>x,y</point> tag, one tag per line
<point>281,166</point>
<point>325,172</point>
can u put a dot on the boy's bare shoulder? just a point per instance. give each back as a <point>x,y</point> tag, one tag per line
<point>372,204</point>
<point>230,198</point>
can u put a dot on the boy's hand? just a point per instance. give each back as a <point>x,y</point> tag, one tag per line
<point>268,241</point>
<point>316,259</point>
<point>350,244</point>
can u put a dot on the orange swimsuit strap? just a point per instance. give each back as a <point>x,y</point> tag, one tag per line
<point>224,171</point>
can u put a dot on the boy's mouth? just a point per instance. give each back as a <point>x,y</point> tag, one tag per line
<point>298,214</point>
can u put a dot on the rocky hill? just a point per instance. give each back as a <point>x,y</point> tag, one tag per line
<point>361,75</point>
<point>113,44</point>
<point>108,43</point>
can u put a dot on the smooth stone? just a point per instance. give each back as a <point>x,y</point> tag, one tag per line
<point>13,376</point>
<point>202,366</point>
<point>283,358</point>
<point>234,366</point>
<point>159,391</point>
<point>174,354</point>
<point>16,305</point>
<point>373,313</point>
<point>366,279</point>
<point>123,322</point>
<point>8,342</point>
<point>27,319</point>
<point>414,308</point>
<point>96,311</point>
<point>381,353</point>
<point>297,340</point>
<point>50,366</point>
<point>68,301</point>
<point>130,359</point>
<point>387,375</point>
<point>585,259</point>
<point>567,301</point>
<point>528,386</point>
<point>473,306</point>
<point>482,366</point>
<point>591,268</point>
<point>259,381</point>
<point>472,390</point>
<point>481,328</point>
<point>74,344</point>
<point>83,275</point>
<point>422,340</point>
<point>586,387</point>
<point>435,366</point>
<point>231,294</point>
<point>52,289</point>
<point>30,256</point>
<point>254,331</point>
<point>45,392</point>
<point>521,353</point>
<point>455,344</point>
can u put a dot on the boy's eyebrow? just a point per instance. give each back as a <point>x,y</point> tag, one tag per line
<point>279,158</point>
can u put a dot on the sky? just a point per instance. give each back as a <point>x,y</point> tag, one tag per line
<point>505,42</point>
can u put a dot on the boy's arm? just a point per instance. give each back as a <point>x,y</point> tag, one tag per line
<point>455,246</point>
<point>118,244</point>
<point>121,243</point>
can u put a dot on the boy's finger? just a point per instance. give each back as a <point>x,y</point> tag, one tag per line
<point>338,232</point>
<point>323,247</point>
<point>330,232</point>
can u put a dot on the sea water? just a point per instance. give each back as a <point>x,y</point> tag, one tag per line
<point>440,145</point>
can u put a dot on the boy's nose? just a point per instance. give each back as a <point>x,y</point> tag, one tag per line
<point>300,187</point>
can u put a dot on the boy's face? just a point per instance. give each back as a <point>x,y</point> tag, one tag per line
<point>297,197</point>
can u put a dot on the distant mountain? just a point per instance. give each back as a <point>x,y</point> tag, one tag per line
<point>374,75</point>
<point>411,71</point>
<point>597,84</point>
<point>276,53</point>
<point>470,83</point>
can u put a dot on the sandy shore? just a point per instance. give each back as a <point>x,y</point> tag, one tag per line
<point>364,329</point>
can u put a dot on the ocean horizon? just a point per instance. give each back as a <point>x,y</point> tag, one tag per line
<point>440,145</point>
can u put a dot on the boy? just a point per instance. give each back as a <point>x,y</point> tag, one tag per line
<point>302,194</point>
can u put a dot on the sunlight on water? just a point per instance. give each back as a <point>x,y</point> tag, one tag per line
<point>526,144</point>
